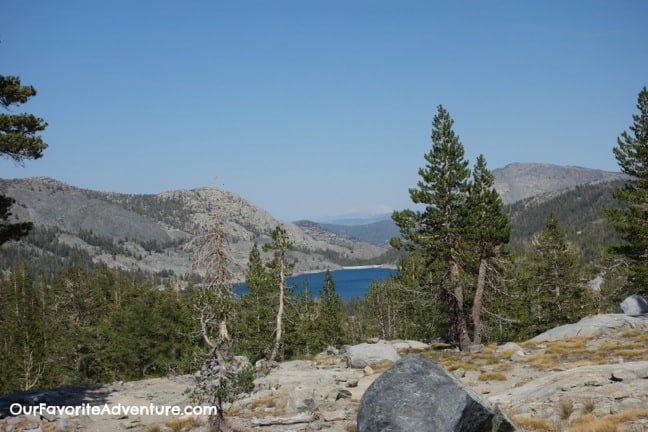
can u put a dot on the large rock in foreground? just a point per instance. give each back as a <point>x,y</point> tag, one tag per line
<point>416,394</point>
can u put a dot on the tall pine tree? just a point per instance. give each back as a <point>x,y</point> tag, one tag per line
<point>255,326</point>
<point>488,231</point>
<point>330,318</point>
<point>280,269</point>
<point>632,222</point>
<point>438,230</point>
<point>19,140</point>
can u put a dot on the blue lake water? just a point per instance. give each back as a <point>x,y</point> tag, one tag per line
<point>351,282</point>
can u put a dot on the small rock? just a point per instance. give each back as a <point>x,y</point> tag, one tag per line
<point>368,371</point>
<point>343,394</point>
<point>476,349</point>
<point>353,382</point>
<point>459,372</point>
<point>418,346</point>
<point>634,305</point>
<point>339,393</point>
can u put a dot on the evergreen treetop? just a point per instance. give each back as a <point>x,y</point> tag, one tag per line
<point>632,222</point>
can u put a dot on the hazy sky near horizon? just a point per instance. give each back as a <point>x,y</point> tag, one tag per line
<point>311,109</point>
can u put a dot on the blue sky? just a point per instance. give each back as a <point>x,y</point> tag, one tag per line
<point>316,108</point>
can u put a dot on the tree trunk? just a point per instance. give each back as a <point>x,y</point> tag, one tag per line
<point>478,302</point>
<point>280,311</point>
<point>460,328</point>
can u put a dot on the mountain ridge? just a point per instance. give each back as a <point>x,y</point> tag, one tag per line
<point>153,231</point>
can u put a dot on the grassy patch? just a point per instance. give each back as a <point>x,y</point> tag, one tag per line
<point>526,422</point>
<point>492,376</point>
<point>591,423</point>
<point>541,361</point>
<point>631,333</point>
<point>628,352</point>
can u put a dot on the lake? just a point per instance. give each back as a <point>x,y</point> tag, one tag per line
<point>349,282</point>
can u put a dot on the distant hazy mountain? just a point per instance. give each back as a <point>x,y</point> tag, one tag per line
<point>153,233</point>
<point>374,232</point>
<point>514,182</point>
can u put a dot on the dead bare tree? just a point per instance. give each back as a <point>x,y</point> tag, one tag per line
<point>216,382</point>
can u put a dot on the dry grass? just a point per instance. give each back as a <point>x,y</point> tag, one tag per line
<point>589,405</point>
<point>326,360</point>
<point>642,338</point>
<point>182,424</point>
<point>629,352</point>
<point>452,366</point>
<point>587,422</point>
<point>275,401</point>
<point>630,333</point>
<point>502,367</point>
<point>440,346</point>
<point>541,361</point>
<point>611,345</point>
<point>382,367</point>
<point>565,408</point>
<point>591,423</point>
<point>629,415</point>
<point>528,423</point>
<point>492,376</point>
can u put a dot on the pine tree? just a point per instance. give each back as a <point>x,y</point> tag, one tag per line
<point>632,222</point>
<point>331,319</point>
<point>19,140</point>
<point>23,332</point>
<point>488,230</point>
<point>255,326</point>
<point>556,294</point>
<point>438,229</point>
<point>280,268</point>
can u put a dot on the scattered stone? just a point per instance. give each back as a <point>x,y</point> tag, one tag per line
<point>352,383</point>
<point>476,349</point>
<point>368,370</point>
<point>634,305</point>
<point>301,400</point>
<point>459,373</point>
<point>339,393</point>
<point>377,354</point>
<point>416,394</point>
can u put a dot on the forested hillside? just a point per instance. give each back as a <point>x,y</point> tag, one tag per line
<point>579,211</point>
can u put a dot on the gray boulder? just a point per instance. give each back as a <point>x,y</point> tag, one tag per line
<point>416,394</point>
<point>634,305</point>
<point>365,354</point>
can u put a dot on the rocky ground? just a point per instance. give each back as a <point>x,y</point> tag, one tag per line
<point>589,376</point>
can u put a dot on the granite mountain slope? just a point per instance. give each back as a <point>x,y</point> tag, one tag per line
<point>153,233</point>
